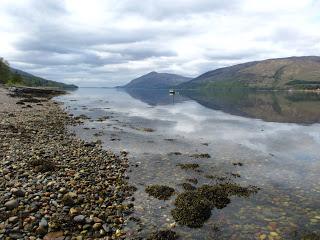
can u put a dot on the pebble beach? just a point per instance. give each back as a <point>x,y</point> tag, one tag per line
<point>54,185</point>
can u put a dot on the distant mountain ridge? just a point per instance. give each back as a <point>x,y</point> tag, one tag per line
<point>155,80</point>
<point>281,73</point>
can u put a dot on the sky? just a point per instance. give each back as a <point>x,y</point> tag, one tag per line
<point>110,42</point>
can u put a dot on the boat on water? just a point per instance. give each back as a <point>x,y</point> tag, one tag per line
<point>172,91</point>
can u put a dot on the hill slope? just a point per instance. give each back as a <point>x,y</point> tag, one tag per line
<point>282,73</point>
<point>34,81</point>
<point>154,80</point>
<point>14,77</point>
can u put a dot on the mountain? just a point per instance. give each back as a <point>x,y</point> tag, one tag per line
<point>154,80</point>
<point>34,81</point>
<point>281,73</point>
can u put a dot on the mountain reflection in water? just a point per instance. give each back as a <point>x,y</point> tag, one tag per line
<point>270,106</point>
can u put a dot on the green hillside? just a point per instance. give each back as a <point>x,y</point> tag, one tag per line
<point>14,77</point>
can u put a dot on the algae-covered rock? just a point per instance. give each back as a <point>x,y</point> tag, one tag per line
<point>163,235</point>
<point>159,191</point>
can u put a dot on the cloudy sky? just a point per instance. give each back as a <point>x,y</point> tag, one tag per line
<point>110,42</point>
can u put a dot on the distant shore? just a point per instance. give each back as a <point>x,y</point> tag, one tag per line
<point>55,186</point>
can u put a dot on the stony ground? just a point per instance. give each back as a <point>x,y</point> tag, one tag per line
<point>54,186</point>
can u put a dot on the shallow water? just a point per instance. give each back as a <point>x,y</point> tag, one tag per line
<point>275,135</point>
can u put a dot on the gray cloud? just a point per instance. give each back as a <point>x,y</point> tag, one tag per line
<point>110,42</point>
<point>164,9</point>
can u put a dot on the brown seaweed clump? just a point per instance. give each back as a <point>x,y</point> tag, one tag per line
<point>192,180</point>
<point>188,186</point>
<point>163,235</point>
<point>160,192</point>
<point>201,155</point>
<point>188,165</point>
<point>194,207</point>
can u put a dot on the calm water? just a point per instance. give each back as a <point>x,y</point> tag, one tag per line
<point>275,135</point>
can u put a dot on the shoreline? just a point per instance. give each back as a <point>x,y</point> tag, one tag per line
<point>55,185</point>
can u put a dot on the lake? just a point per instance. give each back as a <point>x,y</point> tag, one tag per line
<point>270,140</point>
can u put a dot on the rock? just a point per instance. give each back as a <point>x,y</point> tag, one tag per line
<point>106,228</point>
<point>13,219</point>
<point>12,204</point>
<point>274,234</point>
<point>79,219</point>
<point>43,223</point>
<point>96,226</point>
<point>54,236</point>
<point>74,211</point>
<point>262,237</point>
<point>97,220</point>
<point>69,198</point>
<point>86,227</point>
<point>16,235</point>
<point>17,192</point>
<point>63,190</point>
<point>41,230</point>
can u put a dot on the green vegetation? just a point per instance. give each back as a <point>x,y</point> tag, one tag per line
<point>14,77</point>
<point>301,84</point>
<point>5,73</point>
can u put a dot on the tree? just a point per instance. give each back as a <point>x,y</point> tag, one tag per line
<point>5,74</point>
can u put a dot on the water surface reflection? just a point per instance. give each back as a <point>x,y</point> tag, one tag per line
<point>271,134</point>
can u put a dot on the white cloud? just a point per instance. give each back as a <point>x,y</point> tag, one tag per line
<point>100,42</point>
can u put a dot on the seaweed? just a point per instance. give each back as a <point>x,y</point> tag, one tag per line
<point>192,180</point>
<point>188,165</point>
<point>163,235</point>
<point>201,155</point>
<point>160,192</point>
<point>188,186</point>
<point>193,207</point>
